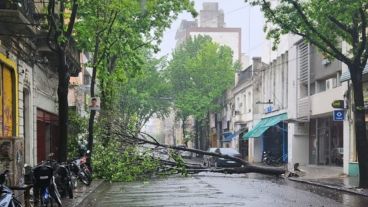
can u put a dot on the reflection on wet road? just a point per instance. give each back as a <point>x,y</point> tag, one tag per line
<point>222,190</point>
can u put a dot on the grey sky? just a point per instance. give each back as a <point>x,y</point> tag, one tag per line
<point>237,14</point>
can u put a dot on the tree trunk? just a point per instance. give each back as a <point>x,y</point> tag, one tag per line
<point>196,137</point>
<point>63,87</point>
<point>360,128</point>
<point>92,92</point>
<point>184,134</point>
<point>93,112</point>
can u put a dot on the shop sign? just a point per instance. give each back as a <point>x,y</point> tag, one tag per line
<point>338,104</point>
<point>338,115</point>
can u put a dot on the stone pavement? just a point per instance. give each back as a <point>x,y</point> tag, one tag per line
<point>329,177</point>
<point>81,193</point>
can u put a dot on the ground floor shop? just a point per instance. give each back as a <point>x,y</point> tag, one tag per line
<point>48,140</point>
<point>269,135</point>
<point>11,144</point>
<point>325,141</point>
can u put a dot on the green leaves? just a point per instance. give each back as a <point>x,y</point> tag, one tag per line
<point>324,23</point>
<point>119,33</point>
<point>146,93</point>
<point>200,72</point>
<point>116,164</point>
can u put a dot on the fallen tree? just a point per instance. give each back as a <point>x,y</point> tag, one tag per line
<point>135,138</point>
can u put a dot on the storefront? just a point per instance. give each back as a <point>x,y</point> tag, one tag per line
<point>326,141</point>
<point>243,146</point>
<point>47,135</point>
<point>270,135</point>
<point>275,141</point>
<point>11,146</point>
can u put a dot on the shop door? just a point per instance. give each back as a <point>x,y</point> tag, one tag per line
<point>323,141</point>
<point>41,148</point>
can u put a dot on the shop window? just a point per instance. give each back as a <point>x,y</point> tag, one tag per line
<point>7,102</point>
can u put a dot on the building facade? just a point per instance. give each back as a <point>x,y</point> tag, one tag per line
<point>28,87</point>
<point>311,121</point>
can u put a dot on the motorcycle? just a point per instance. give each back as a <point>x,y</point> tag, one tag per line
<point>44,186</point>
<point>64,179</point>
<point>269,159</point>
<point>81,168</point>
<point>7,198</point>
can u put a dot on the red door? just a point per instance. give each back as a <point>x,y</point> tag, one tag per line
<point>47,135</point>
<point>41,148</point>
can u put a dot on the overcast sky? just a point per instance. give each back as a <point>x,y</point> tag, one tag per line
<point>237,14</point>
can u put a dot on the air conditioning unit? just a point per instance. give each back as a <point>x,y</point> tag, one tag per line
<point>326,62</point>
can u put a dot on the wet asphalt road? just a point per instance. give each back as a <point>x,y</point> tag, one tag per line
<point>211,189</point>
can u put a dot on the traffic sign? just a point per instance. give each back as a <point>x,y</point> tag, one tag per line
<point>338,115</point>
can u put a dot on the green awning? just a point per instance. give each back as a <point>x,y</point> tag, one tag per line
<point>263,125</point>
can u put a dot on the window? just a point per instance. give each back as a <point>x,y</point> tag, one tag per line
<point>312,89</point>
<point>321,86</point>
<point>87,80</point>
<point>249,102</point>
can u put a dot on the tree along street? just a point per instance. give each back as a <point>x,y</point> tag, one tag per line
<point>214,189</point>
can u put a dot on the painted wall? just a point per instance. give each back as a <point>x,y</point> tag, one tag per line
<point>298,144</point>
<point>321,102</point>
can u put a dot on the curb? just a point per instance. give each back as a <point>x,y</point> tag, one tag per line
<point>79,200</point>
<point>346,190</point>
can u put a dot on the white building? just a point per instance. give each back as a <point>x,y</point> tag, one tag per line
<point>268,132</point>
<point>314,83</point>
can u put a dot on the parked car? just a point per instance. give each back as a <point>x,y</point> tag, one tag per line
<point>207,159</point>
<point>222,162</point>
<point>185,154</point>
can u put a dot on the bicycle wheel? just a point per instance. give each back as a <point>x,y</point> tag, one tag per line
<point>69,189</point>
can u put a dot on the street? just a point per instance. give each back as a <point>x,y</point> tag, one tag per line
<point>211,189</point>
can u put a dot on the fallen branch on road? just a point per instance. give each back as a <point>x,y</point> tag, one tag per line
<point>143,138</point>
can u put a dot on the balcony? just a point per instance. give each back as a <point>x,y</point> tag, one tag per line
<point>17,17</point>
<point>241,118</point>
<point>72,54</point>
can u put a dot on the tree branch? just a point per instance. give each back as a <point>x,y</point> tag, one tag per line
<point>340,25</point>
<point>305,36</point>
<point>73,16</point>
<point>246,169</point>
<point>363,45</point>
<point>337,53</point>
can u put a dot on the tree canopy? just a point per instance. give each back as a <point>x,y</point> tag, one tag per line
<point>199,72</point>
<point>145,94</point>
<point>113,31</point>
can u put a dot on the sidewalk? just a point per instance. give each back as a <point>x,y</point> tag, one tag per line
<point>81,193</point>
<point>329,177</point>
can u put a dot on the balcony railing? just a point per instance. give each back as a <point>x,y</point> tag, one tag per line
<point>17,16</point>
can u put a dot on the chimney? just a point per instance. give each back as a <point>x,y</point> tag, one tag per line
<point>257,60</point>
